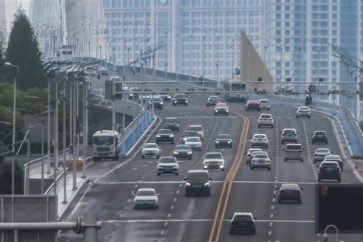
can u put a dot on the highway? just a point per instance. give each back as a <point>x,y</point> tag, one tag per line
<point>181,218</point>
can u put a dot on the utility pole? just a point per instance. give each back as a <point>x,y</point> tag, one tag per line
<point>64,146</point>
<point>55,140</point>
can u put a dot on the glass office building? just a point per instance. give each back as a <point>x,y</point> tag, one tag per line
<point>197,37</point>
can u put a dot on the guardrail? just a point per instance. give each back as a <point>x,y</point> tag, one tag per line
<point>135,132</point>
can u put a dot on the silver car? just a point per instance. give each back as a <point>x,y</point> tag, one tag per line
<point>260,160</point>
<point>146,198</point>
<point>265,119</point>
<point>150,150</point>
<point>250,154</point>
<point>303,111</point>
<point>194,142</point>
<point>320,153</point>
<point>213,160</point>
<point>259,140</point>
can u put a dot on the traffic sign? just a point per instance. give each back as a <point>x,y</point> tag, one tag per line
<point>312,88</point>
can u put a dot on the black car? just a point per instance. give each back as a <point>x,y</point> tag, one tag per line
<point>183,152</point>
<point>289,136</point>
<point>180,99</point>
<point>157,102</point>
<point>223,141</point>
<point>243,223</point>
<point>252,105</point>
<point>212,100</point>
<point>197,182</point>
<point>165,97</point>
<point>165,136</point>
<point>172,124</point>
<point>289,192</point>
<point>319,137</point>
<point>329,170</point>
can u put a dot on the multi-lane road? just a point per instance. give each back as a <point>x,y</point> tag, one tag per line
<point>181,218</point>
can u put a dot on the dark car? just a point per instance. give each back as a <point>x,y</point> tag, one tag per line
<point>197,182</point>
<point>252,105</point>
<point>172,124</point>
<point>289,192</point>
<point>165,136</point>
<point>289,136</point>
<point>319,137</point>
<point>165,97</point>
<point>157,102</point>
<point>180,99</point>
<point>329,170</point>
<point>243,223</point>
<point>183,152</point>
<point>223,141</point>
<point>212,100</point>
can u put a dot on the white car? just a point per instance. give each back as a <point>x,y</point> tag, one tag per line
<point>145,198</point>
<point>198,128</point>
<point>320,153</point>
<point>259,140</point>
<point>264,104</point>
<point>336,158</point>
<point>260,160</point>
<point>303,111</point>
<point>265,119</point>
<point>221,108</point>
<point>150,150</point>
<point>250,152</point>
<point>167,164</point>
<point>194,142</point>
<point>213,160</point>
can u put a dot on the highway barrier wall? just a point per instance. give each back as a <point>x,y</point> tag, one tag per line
<point>135,132</point>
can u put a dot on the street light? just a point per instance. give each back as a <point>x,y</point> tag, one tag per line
<point>325,235</point>
<point>12,70</point>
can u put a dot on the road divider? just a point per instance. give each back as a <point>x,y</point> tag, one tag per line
<point>228,182</point>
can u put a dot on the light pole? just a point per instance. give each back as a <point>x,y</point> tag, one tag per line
<point>14,70</point>
<point>325,235</point>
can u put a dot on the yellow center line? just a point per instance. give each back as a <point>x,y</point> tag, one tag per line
<point>227,185</point>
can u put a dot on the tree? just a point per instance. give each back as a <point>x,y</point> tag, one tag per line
<point>23,51</point>
<point>1,60</point>
<point>5,177</point>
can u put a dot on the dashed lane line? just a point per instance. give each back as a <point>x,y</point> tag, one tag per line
<point>181,182</point>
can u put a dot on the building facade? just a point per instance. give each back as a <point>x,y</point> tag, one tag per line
<point>316,42</point>
<point>195,37</point>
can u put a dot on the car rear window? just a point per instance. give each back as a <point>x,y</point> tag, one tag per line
<point>196,128</point>
<point>293,147</point>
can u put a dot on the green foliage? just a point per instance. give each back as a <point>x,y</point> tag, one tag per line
<point>5,177</point>
<point>1,60</point>
<point>23,51</point>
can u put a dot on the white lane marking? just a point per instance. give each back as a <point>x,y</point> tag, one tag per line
<point>206,117</point>
<point>271,215</point>
<point>277,152</point>
<point>197,220</point>
<point>166,224</point>
<point>162,232</point>
<point>172,207</point>
<point>174,199</point>
<point>272,207</point>
<point>181,182</point>
<point>270,224</point>
<point>308,150</point>
<point>273,200</point>
<point>269,233</point>
<point>169,215</point>
<point>177,191</point>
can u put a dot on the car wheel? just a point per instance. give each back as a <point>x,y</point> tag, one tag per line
<point>216,146</point>
<point>158,156</point>
<point>285,160</point>
<point>96,159</point>
<point>258,126</point>
<point>222,169</point>
<point>143,156</point>
<point>230,146</point>
<point>158,174</point>
<point>231,231</point>
<point>269,168</point>
<point>299,201</point>
<point>215,114</point>
<point>177,174</point>
<point>339,180</point>
<point>186,194</point>
<point>252,167</point>
<point>319,179</point>
<point>301,160</point>
<point>297,116</point>
<point>326,142</point>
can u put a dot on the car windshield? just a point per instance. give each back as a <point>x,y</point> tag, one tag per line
<point>265,116</point>
<point>102,140</point>
<point>171,120</point>
<point>213,98</point>
<point>213,156</point>
<point>329,165</point>
<point>263,102</point>
<point>150,146</point>
<point>294,147</point>
<point>198,177</point>
<point>180,96</point>
<point>260,136</point>
<point>221,105</point>
<point>191,133</point>
<point>167,160</point>
<point>289,132</point>
<point>242,218</point>
<point>260,156</point>
<point>319,133</point>
<point>322,150</point>
<point>193,139</point>
<point>145,193</point>
<point>164,131</point>
<point>223,136</point>
<point>182,147</point>
<point>196,128</point>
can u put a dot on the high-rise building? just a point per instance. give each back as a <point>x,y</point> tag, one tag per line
<point>77,24</point>
<point>315,42</point>
<point>196,37</point>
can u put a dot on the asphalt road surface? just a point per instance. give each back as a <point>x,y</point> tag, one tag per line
<point>181,218</point>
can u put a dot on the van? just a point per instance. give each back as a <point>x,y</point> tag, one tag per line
<point>293,152</point>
